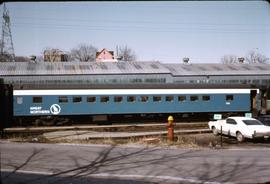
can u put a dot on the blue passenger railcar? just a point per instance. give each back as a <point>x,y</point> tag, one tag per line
<point>129,101</point>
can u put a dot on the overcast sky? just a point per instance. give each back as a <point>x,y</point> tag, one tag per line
<point>165,31</point>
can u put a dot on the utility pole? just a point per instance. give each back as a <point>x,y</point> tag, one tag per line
<point>7,48</point>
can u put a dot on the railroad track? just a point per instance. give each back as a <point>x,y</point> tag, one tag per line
<point>109,128</point>
<point>116,131</point>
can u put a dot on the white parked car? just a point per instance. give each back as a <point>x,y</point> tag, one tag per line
<point>240,127</point>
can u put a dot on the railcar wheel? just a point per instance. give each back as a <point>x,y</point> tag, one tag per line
<point>215,131</point>
<point>240,137</point>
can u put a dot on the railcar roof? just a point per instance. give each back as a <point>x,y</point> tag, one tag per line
<point>107,68</point>
<point>145,86</point>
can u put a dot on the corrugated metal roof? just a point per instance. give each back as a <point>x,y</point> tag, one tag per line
<point>88,68</point>
<point>218,69</point>
<point>82,68</point>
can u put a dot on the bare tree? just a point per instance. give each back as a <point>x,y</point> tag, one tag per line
<point>83,52</point>
<point>5,57</point>
<point>229,59</point>
<point>52,54</point>
<point>126,54</point>
<point>1,45</point>
<point>255,57</point>
<point>39,58</point>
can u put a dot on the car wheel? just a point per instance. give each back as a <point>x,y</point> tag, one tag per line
<point>240,137</point>
<point>215,131</point>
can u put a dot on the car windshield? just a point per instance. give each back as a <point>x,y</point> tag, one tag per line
<point>252,122</point>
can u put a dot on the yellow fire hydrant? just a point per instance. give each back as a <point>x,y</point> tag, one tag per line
<point>170,127</point>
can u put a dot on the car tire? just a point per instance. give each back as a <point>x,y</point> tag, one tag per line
<point>240,137</point>
<point>215,131</point>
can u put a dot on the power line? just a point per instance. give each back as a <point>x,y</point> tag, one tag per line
<point>107,21</point>
<point>140,28</point>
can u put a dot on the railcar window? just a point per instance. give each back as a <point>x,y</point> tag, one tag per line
<point>63,99</point>
<point>157,98</point>
<point>104,99</point>
<point>206,98</point>
<point>77,99</point>
<point>91,99</point>
<point>19,100</point>
<point>169,98</point>
<point>37,99</point>
<point>229,98</point>
<point>181,98</point>
<point>144,98</point>
<point>118,99</point>
<point>131,98</point>
<point>194,98</point>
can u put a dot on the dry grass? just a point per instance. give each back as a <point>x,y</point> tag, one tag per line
<point>27,138</point>
<point>187,141</point>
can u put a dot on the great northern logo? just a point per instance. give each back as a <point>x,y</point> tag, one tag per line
<point>55,109</point>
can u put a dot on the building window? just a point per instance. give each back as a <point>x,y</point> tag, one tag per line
<point>77,99</point>
<point>37,99</point>
<point>19,100</point>
<point>131,98</point>
<point>206,98</point>
<point>118,99</point>
<point>229,98</point>
<point>157,98</point>
<point>169,98</point>
<point>144,98</point>
<point>104,99</point>
<point>181,98</point>
<point>91,99</point>
<point>194,98</point>
<point>63,99</point>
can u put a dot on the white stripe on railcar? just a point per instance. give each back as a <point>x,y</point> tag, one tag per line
<point>129,91</point>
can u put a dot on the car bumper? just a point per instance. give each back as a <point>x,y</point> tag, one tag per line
<point>261,135</point>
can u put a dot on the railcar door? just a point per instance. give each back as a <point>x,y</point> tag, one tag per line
<point>255,102</point>
<point>6,105</point>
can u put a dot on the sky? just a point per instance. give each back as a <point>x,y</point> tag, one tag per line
<point>165,31</point>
